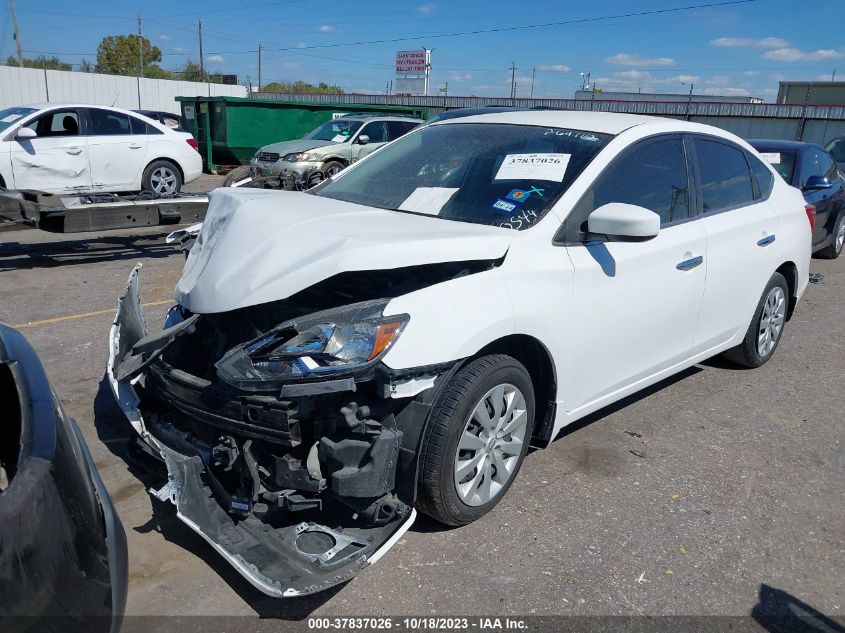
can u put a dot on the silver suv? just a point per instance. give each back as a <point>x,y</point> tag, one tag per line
<point>330,147</point>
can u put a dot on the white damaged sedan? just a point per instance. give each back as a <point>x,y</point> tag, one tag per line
<point>395,338</point>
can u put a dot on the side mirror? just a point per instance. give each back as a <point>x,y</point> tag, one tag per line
<point>363,139</point>
<point>816,182</point>
<point>25,133</point>
<point>624,221</point>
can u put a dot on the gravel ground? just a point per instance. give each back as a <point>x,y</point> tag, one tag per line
<point>683,500</point>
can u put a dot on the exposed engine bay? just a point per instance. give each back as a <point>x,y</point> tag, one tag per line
<point>288,445</point>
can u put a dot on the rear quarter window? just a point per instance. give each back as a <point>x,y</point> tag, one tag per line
<point>764,178</point>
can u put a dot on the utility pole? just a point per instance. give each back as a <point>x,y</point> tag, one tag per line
<point>16,32</point>
<point>140,60</point>
<point>833,77</point>
<point>533,74</point>
<point>202,61</point>
<point>689,99</point>
<point>259,67</point>
<point>513,80</point>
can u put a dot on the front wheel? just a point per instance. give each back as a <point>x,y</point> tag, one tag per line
<point>332,167</point>
<point>162,177</point>
<point>476,440</point>
<point>763,335</point>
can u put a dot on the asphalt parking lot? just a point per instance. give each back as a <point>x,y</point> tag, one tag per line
<point>683,500</point>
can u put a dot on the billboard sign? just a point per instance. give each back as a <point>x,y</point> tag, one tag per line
<point>410,62</point>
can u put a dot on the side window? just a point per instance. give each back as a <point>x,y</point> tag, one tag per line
<point>837,150</point>
<point>809,166</point>
<point>410,126</point>
<point>107,123</point>
<point>142,127</point>
<point>827,165</point>
<point>377,131</point>
<point>653,176</point>
<point>395,129</point>
<point>725,177</point>
<point>56,123</point>
<point>762,176</point>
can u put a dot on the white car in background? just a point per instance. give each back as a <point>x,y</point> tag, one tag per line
<point>396,337</point>
<point>67,149</point>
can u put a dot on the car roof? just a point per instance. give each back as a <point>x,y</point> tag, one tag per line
<point>602,122</point>
<point>776,145</point>
<point>377,117</point>
<point>56,105</point>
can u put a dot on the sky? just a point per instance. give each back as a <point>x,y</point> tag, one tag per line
<point>739,47</point>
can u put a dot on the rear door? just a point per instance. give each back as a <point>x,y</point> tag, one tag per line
<point>740,226</point>
<point>118,147</point>
<point>57,159</point>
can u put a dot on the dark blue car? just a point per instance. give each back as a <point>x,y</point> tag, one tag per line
<point>810,168</point>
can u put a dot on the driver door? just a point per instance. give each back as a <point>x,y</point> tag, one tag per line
<point>636,303</point>
<point>56,160</point>
<point>376,131</point>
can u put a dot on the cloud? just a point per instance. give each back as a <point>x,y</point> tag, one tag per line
<point>680,79</point>
<point>164,38</point>
<point>724,91</point>
<point>301,45</point>
<point>460,77</point>
<point>218,59</point>
<point>326,28</point>
<point>765,42</point>
<point>178,49</point>
<point>750,73</point>
<point>554,68</point>
<point>426,8</point>
<point>795,55</point>
<point>626,59</point>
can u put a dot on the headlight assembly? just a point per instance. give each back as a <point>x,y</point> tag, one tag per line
<point>322,344</point>
<point>298,158</point>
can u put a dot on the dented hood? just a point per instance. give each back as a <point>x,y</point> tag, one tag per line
<point>260,245</point>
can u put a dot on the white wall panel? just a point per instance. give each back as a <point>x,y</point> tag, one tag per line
<point>19,86</point>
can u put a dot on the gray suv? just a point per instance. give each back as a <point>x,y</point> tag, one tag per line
<point>331,147</point>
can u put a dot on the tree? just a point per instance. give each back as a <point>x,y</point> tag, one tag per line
<point>42,61</point>
<point>120,54</point>
<point>302,87</point>
<point>85,66</point>
<point>191,72</point>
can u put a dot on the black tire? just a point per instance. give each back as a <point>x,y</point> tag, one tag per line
<point>436,489</point>
<point>237,174</point>
<point>331,167</point>
<point>149,181</point>
<point>747,353</point>
<point>834,249</point>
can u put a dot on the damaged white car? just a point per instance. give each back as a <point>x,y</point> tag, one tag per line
<point>396,337</point>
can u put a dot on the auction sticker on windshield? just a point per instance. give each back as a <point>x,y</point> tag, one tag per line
<point>429,200</point>
<point>533,167</point>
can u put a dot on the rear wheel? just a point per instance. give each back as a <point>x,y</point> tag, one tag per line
<point>237,174</point>
<point>476,440</point>
<point>162,177</point>
<point>763,335</point>
<point>834,249</point>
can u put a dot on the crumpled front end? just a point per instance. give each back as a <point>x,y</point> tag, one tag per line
<point>298,474</point>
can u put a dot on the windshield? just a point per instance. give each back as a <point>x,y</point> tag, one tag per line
<point>10,115</point>
<point>338,130</point>
<point>783,162</point>
<point>484,173</point>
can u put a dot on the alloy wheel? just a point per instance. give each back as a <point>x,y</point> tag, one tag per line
<point>490,445</point>
<point>771,321</point>
<point>163,180</point>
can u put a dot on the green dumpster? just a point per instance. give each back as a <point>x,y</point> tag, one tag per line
<point>231,129</point>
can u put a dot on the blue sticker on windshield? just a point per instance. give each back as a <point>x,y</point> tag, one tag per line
<point>504,206</point>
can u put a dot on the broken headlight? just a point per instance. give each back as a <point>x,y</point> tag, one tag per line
<point>303,157</point>
<point>322,344</point>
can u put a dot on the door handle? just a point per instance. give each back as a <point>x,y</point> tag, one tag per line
<point>135,146</point>
<point>765,241</point>
<point>689,264</point>
<point>73,150</point>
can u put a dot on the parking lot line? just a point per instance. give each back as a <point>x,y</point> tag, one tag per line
<point>84,315</point>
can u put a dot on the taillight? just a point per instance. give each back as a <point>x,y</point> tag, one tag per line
<point>811,214</point>
<point>193,143</point>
